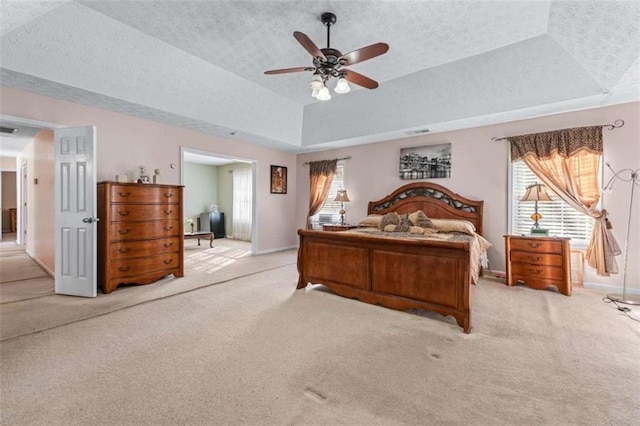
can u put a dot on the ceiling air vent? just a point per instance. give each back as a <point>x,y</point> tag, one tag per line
<point>418,132</point>
<point>9,130</point>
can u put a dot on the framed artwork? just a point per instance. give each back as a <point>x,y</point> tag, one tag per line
<point>278,180</point>
<point>425,162</point>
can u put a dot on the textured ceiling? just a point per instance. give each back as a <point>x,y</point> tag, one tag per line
<point>200,64</point>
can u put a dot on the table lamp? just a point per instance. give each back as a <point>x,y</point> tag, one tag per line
<point>342,197</point>
<point>536,192</point>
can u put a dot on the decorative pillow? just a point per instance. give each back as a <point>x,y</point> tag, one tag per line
<point>420,219</point>
<point>404,224</point>
<point>416,230</point>
<point>454,225</point>
<point>373,220</point>
<point>389,219</point>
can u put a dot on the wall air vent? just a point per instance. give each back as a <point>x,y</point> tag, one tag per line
<point>418,132</point>
<point>9,130</point>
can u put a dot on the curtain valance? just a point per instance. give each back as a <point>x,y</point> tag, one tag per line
<point>564,142</point>
<point>323,168</point>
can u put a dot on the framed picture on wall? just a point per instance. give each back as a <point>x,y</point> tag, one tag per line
<point>426,162</point>
<point>278,180</point>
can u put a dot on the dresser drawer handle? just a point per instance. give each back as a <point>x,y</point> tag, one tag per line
<point>166,262</point>
<point>124,213</point>
<point>535,258</point>
<point>124,231</point>
<point>168,195</point>
<point>124,268</point>
<point>534,245</point>
<point>124,250</point>
<point>535,271</point>
<point>124,194</point>
<point>168,228</point>
<point>167,245</point>
<point>168,211</point>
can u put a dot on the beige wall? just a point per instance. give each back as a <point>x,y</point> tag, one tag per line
<point>39,158</point>
<point>200,189</point>
<point>480,171</point>
<point>125,142</point>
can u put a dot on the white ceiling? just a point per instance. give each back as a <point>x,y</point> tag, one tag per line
<point>200,64</point>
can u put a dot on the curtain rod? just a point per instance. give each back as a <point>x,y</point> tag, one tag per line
<point>616,124</point>
<point>343,158</point>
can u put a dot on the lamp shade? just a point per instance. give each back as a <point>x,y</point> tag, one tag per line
<point>342,86</point>
<point>342,196</point>
<point>536,192</point>
<point>323,94</point>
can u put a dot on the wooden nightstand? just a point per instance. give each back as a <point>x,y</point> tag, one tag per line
<point>539,262</point>
<point>337,227</point>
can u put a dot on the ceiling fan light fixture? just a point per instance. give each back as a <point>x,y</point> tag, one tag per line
<point>314,93</point>
<point>342,86</point>
<point>316,82</point>
<point>323,94</point>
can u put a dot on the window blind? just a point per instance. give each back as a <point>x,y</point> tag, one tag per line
<point>557,216</point>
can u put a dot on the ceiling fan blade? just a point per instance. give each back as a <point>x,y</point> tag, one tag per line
<point>288,70</point>
<point>308,44</point>
<point>364,53</point>
<point>359,79</point>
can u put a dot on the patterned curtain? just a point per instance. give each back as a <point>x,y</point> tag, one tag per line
<point>567,162</point>
<point>321,174</point>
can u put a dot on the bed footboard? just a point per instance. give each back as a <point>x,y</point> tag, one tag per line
<point>397,274</point>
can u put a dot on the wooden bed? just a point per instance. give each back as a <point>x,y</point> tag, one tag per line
<point>399,274</point>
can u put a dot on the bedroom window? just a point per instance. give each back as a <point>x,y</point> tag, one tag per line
<point>557,216</point>
<point>329,213</point>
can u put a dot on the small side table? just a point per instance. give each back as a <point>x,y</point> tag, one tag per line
<point>199,235</point>
<point>337,227</point>
<point>539,262</point>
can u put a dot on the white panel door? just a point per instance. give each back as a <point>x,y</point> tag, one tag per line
<point>75,221</point>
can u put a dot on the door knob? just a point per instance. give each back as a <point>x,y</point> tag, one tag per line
<point>90,219</point>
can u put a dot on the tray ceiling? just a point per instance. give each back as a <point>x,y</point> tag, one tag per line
<point>200,65</point>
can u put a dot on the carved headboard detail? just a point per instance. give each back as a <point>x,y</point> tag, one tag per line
<point>433,199</point>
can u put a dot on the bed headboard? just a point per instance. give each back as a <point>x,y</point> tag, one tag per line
<point>434,200</point>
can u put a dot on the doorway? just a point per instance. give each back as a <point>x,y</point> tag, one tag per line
<point>208,178</point>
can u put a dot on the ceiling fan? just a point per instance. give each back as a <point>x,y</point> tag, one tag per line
<point>330,62</point>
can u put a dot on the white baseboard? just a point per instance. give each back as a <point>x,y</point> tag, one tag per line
<point>40,264</point>
<point>276,250</point>
<point>611,288</point>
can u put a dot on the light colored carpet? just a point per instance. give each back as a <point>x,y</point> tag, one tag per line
<point>255,351</point>
<point>24,310</point>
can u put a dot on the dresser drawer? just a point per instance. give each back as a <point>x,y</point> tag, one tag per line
<point>130,267</point>
<point>130,249</point>
<point>124,212</point>
<point>536,271</point>
<point>539,246</point>
<point>536,258</point>
<point>134,194</point>
<point>144,230</point>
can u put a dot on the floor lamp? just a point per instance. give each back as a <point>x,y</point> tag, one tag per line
<point>625,175</point>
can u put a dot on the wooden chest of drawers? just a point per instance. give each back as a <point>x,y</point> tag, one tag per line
<point>539,262</point>
<point>140,233</point>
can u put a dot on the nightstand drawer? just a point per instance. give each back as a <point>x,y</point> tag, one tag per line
<point>536,271</point>
<point>538,246</point>
<point>536,258</point>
